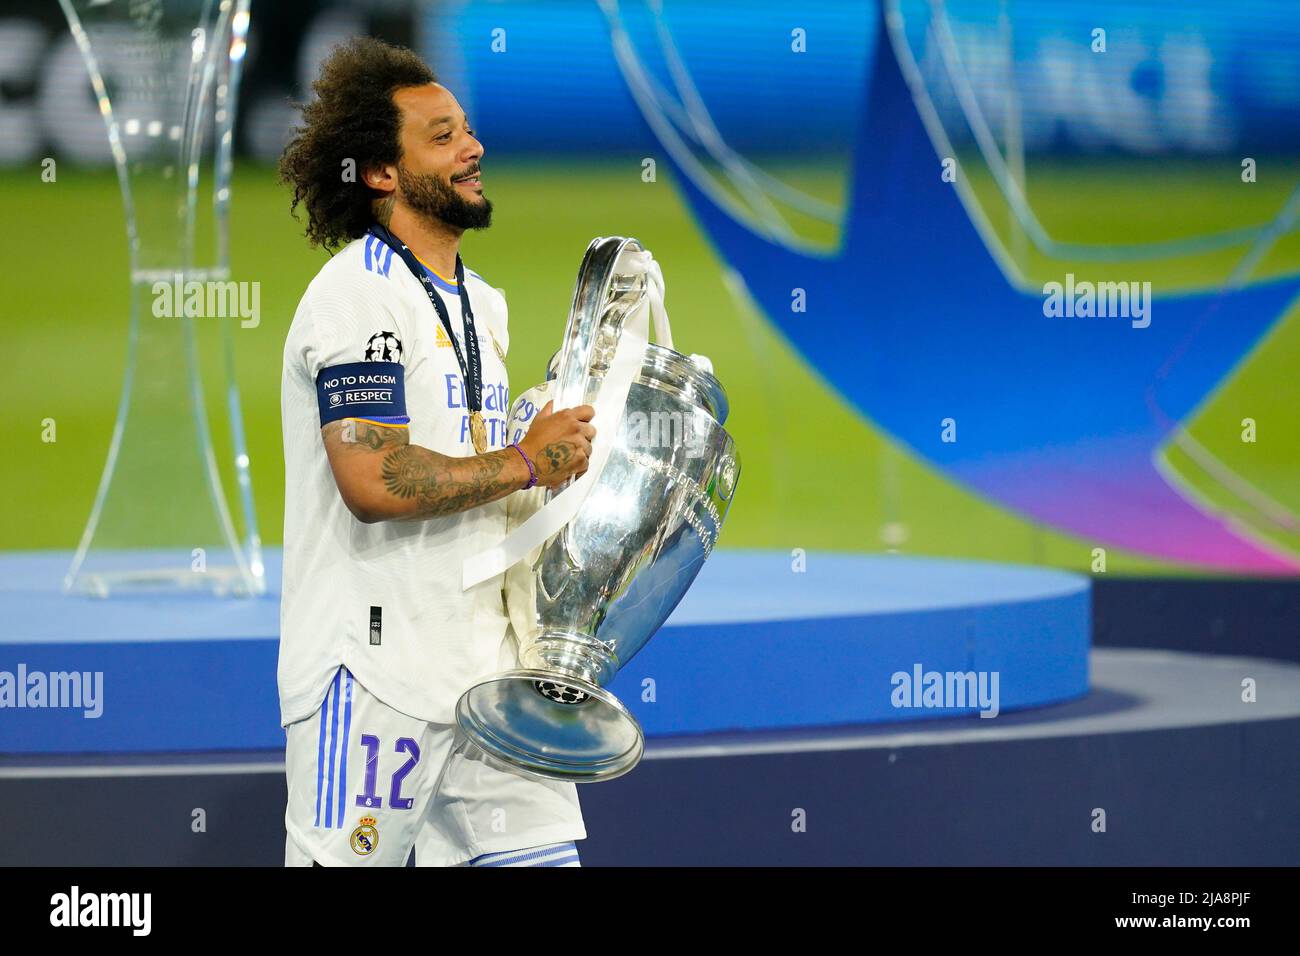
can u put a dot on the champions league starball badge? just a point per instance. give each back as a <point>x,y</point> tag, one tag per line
<point>384,347</point>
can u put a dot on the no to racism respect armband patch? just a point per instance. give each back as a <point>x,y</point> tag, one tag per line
<point>371,390</point>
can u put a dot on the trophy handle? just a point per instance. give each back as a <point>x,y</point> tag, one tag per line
<point>601,304</point>
<point>567,540</point>
<point>585,312</point>
<point>607,330</point>
<point>552,584</point>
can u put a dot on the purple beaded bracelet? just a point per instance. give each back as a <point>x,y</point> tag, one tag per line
<point>532,472</point>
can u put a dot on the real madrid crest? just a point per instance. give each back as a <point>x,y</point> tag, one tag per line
<point>501,353</point>
<point>365,838</point>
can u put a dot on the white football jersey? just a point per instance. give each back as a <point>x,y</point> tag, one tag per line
<point>384,600</point>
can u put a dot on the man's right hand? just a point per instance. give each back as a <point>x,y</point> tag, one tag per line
<point>559,443</point>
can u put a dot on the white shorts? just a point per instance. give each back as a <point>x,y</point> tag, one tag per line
<point>367,783</point>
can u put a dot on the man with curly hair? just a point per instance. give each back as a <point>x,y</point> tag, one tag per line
<point>394,399</point>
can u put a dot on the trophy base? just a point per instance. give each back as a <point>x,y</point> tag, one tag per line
<point>551,726</point>
<point>217,581</point>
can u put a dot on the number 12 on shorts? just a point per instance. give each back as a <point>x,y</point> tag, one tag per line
<point>369,798</point>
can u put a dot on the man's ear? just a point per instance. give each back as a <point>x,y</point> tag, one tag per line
<point>382,179</point>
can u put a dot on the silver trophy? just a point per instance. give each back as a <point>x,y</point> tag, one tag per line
<point>174,510</point>
<point>584,602</point>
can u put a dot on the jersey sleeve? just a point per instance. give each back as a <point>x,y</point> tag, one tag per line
<point>353,351</point>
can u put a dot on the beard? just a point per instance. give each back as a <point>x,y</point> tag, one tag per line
<point>437,199</point>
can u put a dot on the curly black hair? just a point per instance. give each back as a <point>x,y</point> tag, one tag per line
<point>353,117</point>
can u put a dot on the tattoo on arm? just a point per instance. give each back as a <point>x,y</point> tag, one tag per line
<point>366,456</point>
<point>442,486</point>
<point>557,453</point>
<point>372,436</point>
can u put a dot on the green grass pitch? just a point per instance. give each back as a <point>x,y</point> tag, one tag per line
<point>842,485</point>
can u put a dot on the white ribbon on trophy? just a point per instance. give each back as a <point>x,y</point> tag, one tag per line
<point>609,404</point>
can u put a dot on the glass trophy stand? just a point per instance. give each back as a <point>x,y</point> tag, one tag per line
<point>165,74</point>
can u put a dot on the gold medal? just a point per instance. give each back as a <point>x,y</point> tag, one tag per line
<point>478,431</point>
